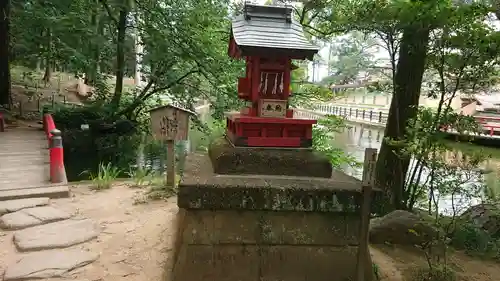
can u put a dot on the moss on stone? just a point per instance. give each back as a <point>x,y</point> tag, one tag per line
<point>203,189</point>
<point>228,159</point>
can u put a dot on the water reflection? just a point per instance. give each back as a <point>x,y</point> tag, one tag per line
<point>356,138</point>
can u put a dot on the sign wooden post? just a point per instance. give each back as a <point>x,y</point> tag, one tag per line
<point>170,180</point>
<point>367,185</point>
<point>170,123</point>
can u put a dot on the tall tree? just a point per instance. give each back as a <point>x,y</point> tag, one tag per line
<point>392,165</point>
<point>121,26</point>
<point>4,53</point>
<point>403,26</point>
<point>350,57</point>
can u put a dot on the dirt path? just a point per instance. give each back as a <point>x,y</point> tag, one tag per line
<point>398,264</point>
<point>134,241</point>
<point>387,270</point>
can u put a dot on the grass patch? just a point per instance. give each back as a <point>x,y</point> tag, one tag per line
<point>158,190</point>
<point>141,177</point>
<point>105,176</point>
<point>434,273</point>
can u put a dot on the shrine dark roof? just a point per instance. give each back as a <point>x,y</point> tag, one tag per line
<point>270,30</point>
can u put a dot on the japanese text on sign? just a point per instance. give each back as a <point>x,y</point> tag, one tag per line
<point>169,124</point>
<point>369,167</point>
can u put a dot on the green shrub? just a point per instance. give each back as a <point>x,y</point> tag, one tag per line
<point>140,176</point>
<point>435,273</point>
<point>475,241</point>
<point>109,139</point>
<point>201,138</point>
<point>376,271</point>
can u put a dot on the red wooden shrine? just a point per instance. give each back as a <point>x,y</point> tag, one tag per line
<point>268,39</point>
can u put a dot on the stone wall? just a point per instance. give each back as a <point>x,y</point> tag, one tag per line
<point>265,227</point>
<point>266,245</point>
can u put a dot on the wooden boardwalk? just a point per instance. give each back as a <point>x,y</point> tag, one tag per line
<point>24,165</point>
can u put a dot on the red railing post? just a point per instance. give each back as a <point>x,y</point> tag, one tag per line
<point>57,170</point>
<point>48,125</point>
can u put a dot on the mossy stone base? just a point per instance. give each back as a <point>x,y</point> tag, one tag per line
<point>201,188</point>
<point>266,227</point>
<point>230,160</point>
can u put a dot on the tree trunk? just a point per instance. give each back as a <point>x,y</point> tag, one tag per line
<point>4,54</point>
<point>48,58</point>
<point>120,56</point>
<point>101,65</point>
<point>93,68</point>
<point>138,54</point>
<point>391,165</point>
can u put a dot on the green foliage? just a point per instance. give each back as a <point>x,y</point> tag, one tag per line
<point>140,176</point>
<point>110,139</point>
<point>350,57</point>
<point>492,186</point>
<point>186,62</point>
<point>475,241</point>
<point>305,94</point>
<point>105,176</point>
<point>458,62</point>
<point>376,271</point>
<point>427,143</point>
<point>189,61</point>
<point>462,56</point>
<point>436,272</point>
<point>323,141</point>
<point>201,137</point>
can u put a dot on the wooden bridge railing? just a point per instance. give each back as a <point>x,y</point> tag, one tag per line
<point>56,152</point>
<point>352,114</point>
<point>490,125</point>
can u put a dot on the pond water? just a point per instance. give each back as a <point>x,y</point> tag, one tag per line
<point>356,139</point>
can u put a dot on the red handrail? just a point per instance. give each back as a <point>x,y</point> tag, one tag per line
<point>56,152</point>
<point>48,125</point>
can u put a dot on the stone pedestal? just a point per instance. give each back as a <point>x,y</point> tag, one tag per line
<point>265,227</point>
<point>300,162</point>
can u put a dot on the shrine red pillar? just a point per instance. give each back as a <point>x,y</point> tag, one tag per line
<point>255,82</point>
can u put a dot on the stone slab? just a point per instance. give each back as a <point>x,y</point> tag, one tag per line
<point>229,159</point>
<point>16,205</point>
<point>18,220</point>
<point>56,235</point>
<point>47,191</point>
<point>203,189</point>
<point>267,262</point>
<point>47,213</point>
<point>31,217</point>
<point>48,264</point>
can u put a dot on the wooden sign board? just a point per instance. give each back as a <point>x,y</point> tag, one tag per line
<point>272,108</point>
<point>369,167</point>
<point>170,123</point>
